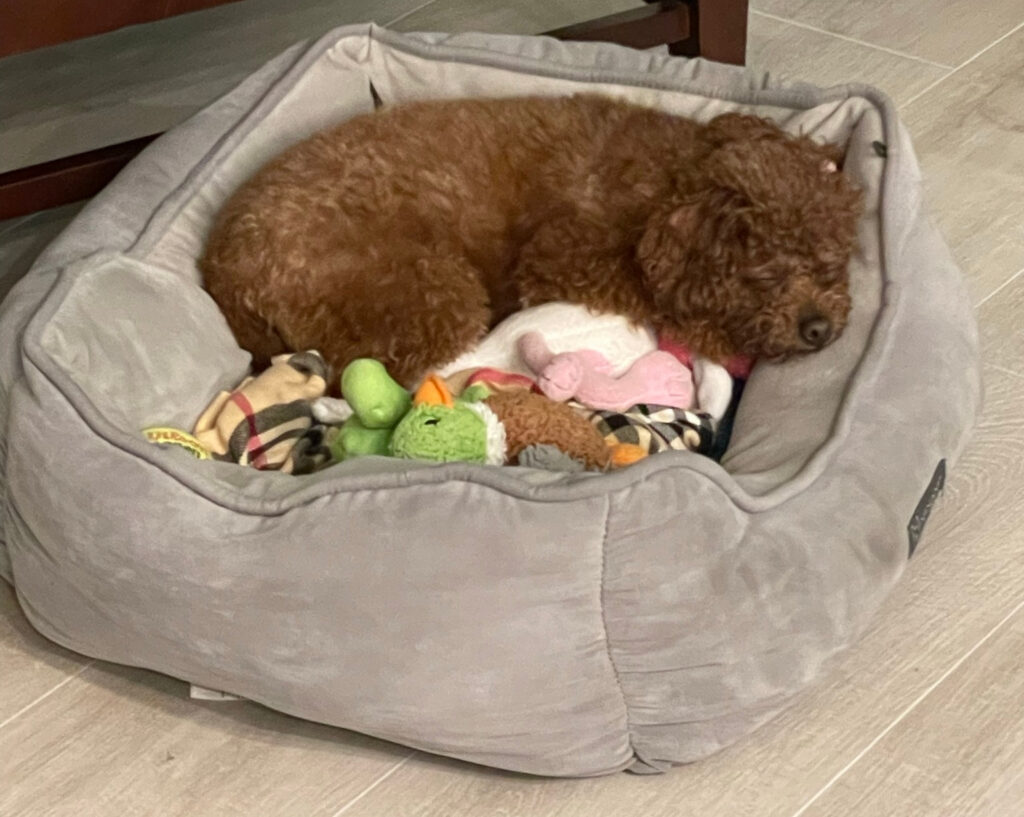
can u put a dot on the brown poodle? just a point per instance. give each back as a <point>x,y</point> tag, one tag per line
<point>403,235</point>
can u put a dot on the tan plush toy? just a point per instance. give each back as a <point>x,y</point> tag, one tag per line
<point>262,420</point>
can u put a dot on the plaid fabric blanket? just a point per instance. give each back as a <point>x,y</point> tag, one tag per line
<point>656,428</point>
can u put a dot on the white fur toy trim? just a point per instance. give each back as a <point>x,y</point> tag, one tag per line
<point>331,411</point>
<point>496,442</point>
<point>714,387</point>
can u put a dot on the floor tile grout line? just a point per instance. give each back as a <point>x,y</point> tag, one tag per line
<point>917,701</point>
<point>854,40</point>
<point>999,288</point>
<point>992,44</point>
<point>46,694</point>
<point>964,64</point>
<point>409,13</point>
<point>375,783</point>
<point>928,87</point>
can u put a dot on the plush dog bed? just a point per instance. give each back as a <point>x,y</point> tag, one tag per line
<point>558,624</point>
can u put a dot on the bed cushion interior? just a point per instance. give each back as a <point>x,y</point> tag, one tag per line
<point>144,343</point>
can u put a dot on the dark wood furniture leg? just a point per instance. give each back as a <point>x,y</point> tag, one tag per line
<point>715,29</point>
<point>63,181</point>
<point>720,27</point>
<point>29,24</point>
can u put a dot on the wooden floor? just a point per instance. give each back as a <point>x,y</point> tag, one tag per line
<point>922,718</point>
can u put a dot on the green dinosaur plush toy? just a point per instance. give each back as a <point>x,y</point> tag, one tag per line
<point>377,402</point>
<point>376,399</point>
<point>440,428</point>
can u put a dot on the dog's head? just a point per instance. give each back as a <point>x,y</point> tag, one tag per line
<point>751,257</point>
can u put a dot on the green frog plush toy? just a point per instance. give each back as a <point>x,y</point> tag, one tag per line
<point>442,428</point>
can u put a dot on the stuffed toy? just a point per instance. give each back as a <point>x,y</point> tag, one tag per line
<point>262,421</point>
<point>374,403</point>
<point>494,379</point>
<point>494,428</point>
<point>647,429</point>
<point>331,411</point>
<point>549,458</point>
<point>715,383</point>
<point>441,428</point>
<point>533,419</point>
<point>588,377</point>
<point>738,367</point>
<point>168,437</point>
<point>714,387</point>
<point>566,327</point>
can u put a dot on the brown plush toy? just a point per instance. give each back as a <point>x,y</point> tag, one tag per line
<point>532,419</point>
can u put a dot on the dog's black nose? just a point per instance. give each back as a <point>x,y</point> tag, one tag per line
<point>817,331</point>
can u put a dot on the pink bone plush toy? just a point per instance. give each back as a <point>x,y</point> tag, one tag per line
<point>586,376</point>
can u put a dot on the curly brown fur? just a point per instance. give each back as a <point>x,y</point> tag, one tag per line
<point>533,419</point>
<point>405,234</point>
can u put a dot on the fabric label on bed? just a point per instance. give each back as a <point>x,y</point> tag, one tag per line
<point>924,507</point>
<point>204,694</point>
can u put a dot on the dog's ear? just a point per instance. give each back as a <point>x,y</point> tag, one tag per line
<point>691,250</point>
<point>748,168</point>
<point>738,127</point>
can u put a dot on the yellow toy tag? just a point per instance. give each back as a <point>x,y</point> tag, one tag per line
<point>175,436</point>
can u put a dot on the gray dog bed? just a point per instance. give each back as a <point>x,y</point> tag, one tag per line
<point>554,624</point>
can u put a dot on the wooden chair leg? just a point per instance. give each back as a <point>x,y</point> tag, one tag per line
<point>721,29</point>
